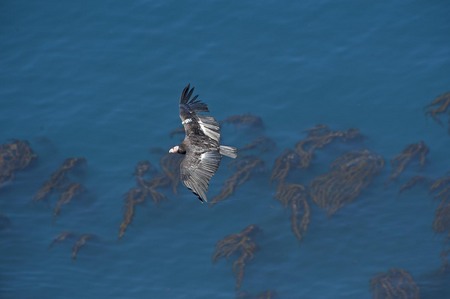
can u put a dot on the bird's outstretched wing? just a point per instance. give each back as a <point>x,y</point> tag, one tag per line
<point>194,123</point>
<point>197,170</point>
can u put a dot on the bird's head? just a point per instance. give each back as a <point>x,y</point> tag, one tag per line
<point>177,149</point>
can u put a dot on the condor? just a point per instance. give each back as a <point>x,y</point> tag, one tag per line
<point>201,145</point>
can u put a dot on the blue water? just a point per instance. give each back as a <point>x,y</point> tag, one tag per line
<point>101,80</point>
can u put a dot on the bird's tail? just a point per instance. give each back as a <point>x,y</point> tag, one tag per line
<point>228,151</point>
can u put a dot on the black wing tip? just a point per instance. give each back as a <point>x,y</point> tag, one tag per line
<point>187,87</point>
<point>198,196</point>
<point>186,94</point>
<point>192,102</point>
<point>203,200</point>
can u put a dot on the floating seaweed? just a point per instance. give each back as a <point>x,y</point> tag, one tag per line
<point>66,235</point>
<point>14,156</point>
<point>439,106</point>
<point>72,163</point>
<point>127,217</point>
<point>81,242</point>
<point>58,179</point>
<point>141,169</point>
<point>396,283</point>
<point>241,244</point>
<point>441,188</point>
<point>441,222</point>
<point>317,138</point>
<point>146,188</point>
<point>262,144</point>
<point>170,165</point>
<point>248,120</point>
<point>67,195</point>
<point>412,182</point>
<point>150,187</point>
<point>349,175</point>
<point>295,197</point>
<point>133,197</point>
<point>300,211</point>
<point>245,166</point>
<point>283,165</point>
<point>399,162</point>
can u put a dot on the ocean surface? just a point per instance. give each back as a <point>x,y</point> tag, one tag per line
<point>102,80</point>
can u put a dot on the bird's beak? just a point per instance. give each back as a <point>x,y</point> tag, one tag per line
<point>173,150</point>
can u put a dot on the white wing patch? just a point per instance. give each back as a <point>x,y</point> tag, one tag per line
<point>210,127</point>
<point>202,156</point>
<point>186,121</point>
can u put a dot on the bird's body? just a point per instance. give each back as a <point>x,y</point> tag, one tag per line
<point>201,145</point>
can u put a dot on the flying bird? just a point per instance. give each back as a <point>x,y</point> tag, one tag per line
<point>201,145</point>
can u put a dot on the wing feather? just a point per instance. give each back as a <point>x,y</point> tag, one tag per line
<point>197,170</point>
<point>193,123</point>
<point>191,104</point>
<point>210,127</point>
